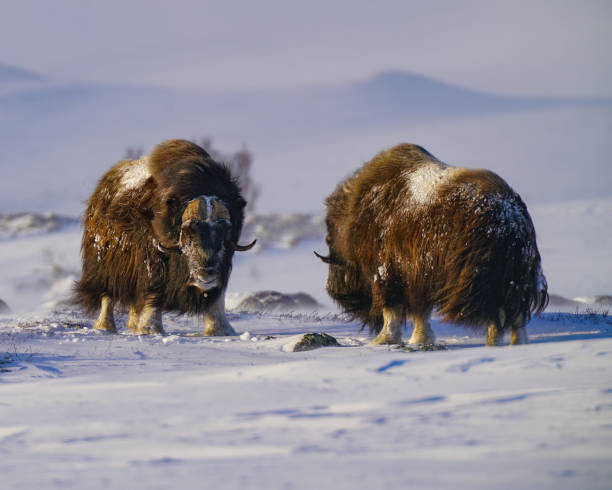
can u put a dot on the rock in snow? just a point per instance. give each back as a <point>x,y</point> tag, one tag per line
<point>314,340</point>
<point>274,301</point>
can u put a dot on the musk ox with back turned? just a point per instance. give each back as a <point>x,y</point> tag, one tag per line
<point>408,235</point>
<point>160,234</point>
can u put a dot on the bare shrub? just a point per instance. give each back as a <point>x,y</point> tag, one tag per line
<point>133,153</point>
<point>240,164</point>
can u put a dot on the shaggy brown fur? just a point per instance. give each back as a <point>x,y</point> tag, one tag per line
<point>139,205</point>
<point>408,231</point>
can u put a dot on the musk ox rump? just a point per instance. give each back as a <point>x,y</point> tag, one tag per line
<point>159,235</point>
<point>409,235</point>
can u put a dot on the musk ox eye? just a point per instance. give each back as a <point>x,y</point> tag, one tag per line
<point>170,202</point>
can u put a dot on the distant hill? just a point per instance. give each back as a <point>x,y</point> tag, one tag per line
<point>14,74</point>
<point>303,138</point>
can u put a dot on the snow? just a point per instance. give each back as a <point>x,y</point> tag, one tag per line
<point>425,180</point>
<point>135,174</point>
<point>96,410</point>
<point>29,224</point>
<point>81,408</point>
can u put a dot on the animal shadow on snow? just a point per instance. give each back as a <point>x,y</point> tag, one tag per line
<point>543,328</point>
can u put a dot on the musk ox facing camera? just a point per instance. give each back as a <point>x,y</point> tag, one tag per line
<point>159,235</point>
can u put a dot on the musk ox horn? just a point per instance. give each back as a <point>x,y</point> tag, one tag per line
<point>327,260</point>
<point>243,248</point>
<point>169,250</point>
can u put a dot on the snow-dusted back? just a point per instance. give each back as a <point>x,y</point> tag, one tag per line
<point>425,180</point>
<point>135,174</point>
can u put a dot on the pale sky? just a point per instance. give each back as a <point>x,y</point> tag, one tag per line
<point>519,47</point>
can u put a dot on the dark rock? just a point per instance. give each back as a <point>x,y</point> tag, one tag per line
<point>313,340</point>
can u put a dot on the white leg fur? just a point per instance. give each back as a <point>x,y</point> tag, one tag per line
<point>519,332</point>
<point>215,323</point>
<point>133,319</point>
<point>150,319</point>
<point>106,319</point>
<point>495,335</point>
<point>422,332</point>
<point>391,332</point>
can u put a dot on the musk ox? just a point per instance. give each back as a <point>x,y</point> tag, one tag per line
<point>408,235</point>
<point>160,234</point>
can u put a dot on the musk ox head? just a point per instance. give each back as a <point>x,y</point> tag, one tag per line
<point>196,211</point>
<point>206,242</point>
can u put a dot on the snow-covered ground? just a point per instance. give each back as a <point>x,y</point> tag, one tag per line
<point>84,409</point>
<point>80,408</point>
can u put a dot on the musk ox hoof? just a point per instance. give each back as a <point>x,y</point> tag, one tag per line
<point>219,329</point>
<point>149,330</point>
<point>421,338</point>
<point>495,337</point>
<point>105,325</point>
<point>386,338</point>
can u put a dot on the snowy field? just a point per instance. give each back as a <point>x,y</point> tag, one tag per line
<point>520,88</point>
<point>85,409</point>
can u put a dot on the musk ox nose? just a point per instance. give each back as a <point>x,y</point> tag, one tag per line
<point>205,279</point>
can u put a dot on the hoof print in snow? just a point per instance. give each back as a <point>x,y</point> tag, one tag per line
<point>4,308</point>
<point>312,341</point>
<point>425,347</point>
<point>273,301</point>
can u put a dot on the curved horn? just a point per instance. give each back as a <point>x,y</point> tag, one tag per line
<point>243,248</point>
<point>327,260</point>
<point>169,250</point>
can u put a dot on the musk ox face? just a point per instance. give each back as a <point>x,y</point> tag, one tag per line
<point>204,240</point>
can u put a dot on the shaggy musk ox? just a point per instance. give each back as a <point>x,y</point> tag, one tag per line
<point>408,235</point>
<point>160,234</point>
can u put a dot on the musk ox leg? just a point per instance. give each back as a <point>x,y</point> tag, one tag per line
<point>133,319</point>
<point>422,332</point>
<point>519,332</point>
<point>495,335</point>
<point>215,323</point>
<point>391,332</point>
<point>146,321</point>
<point>106,319</point>
<point>150,320</point>
<point>495,331</point>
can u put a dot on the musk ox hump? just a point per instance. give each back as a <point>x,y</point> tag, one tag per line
<point>135,173</point>
<point>425,180</point>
